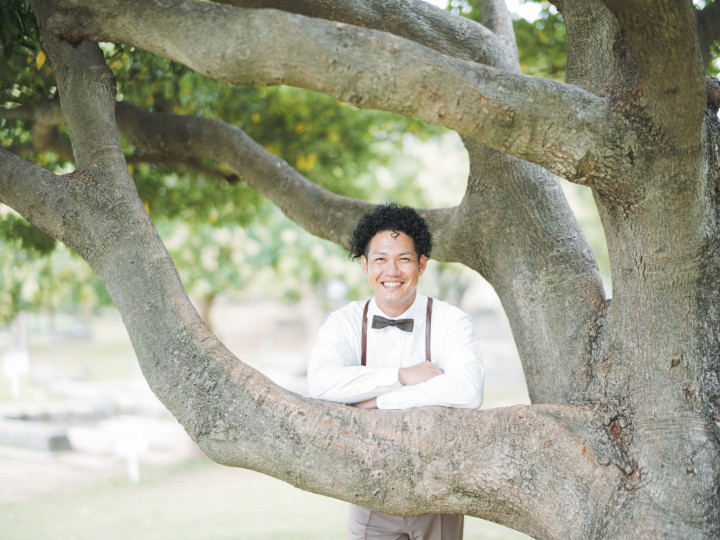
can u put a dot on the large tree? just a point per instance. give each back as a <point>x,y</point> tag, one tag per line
<point>622,437</point>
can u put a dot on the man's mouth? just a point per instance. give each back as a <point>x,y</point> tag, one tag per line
<point>392,284</point>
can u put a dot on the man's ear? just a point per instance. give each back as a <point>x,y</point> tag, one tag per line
<point>422,263</point>
<point>364,264</point>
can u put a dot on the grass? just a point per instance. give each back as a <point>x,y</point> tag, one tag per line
<point>192,500</point>
<point>195,500</point>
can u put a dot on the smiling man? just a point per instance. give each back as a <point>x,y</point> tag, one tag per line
<point>398,350</point>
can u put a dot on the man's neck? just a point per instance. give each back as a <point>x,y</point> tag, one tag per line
<point>394,311</point>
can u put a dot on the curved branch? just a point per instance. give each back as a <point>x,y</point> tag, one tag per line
<point>496,17</point>
<point>317,210</point>
<point>540,265</point>
<point>500,464</point>
<point>414,20</point>
<point>35,204</point>
<point>671,82</point>
<point>708,29</point>
<point>554,125</point>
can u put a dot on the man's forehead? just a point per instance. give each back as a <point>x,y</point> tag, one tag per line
<point>386,241</point>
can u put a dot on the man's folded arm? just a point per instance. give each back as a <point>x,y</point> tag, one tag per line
<point>333,373</point>
<point>461,384</point>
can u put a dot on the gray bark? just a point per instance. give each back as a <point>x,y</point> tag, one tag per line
<point>622,438</point>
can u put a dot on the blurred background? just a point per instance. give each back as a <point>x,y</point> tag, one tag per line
<point>86,450</point>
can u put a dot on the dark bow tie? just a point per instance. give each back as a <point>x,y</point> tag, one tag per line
<point>403,324</point>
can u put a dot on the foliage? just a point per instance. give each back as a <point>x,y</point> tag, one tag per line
<point>42,277</point>
<point>542,46</point>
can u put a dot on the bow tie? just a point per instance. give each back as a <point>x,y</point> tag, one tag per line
<point>405,325</point>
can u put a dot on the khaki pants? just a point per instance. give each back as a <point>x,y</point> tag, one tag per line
<point>364,523</point>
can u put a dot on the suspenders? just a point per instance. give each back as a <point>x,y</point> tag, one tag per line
<point>428,319</point>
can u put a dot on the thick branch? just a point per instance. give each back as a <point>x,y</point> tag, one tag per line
<point>670,78</point>
<point>496,17</point>
<point>557,126</point>
<point>599,59</point>
<point>414,20</point>
<point>503,464</point>
<point>708,29</point>
<point>90,121</point>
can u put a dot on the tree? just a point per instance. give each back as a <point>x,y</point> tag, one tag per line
<point>622,437</point>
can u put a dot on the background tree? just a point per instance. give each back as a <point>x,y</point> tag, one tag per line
<point>622,438</point>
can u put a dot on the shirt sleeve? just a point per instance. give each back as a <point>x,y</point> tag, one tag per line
<point>334,370</point>
<point>460,385</point>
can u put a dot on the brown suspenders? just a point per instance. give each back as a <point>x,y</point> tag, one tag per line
<point>428,319</point>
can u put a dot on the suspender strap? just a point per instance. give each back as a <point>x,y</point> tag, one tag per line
<point>363,358</point>
<point>428,323</point>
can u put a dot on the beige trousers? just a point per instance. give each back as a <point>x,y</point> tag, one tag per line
<point>364,523</point>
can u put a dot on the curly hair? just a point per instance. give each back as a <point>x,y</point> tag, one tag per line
<point>391,217</point>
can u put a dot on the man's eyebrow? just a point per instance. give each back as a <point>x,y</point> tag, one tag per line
<point>385,253</point>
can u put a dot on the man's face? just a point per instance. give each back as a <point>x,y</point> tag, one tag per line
<point>393,268</point>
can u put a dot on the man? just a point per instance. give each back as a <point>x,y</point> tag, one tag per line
<point>417,352</point>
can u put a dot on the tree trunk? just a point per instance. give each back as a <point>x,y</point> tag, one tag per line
<point>622,439</point>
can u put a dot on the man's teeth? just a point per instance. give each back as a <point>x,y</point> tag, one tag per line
<point>392,284</point>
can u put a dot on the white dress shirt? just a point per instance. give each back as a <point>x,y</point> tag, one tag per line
<point>335,373</point>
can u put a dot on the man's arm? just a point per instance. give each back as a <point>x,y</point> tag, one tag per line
<point>422,372</point>
<point>333,373</point>
<point>457,354</point>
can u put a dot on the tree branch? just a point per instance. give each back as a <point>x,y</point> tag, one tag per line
<point>317,210</point>
<point>708,29</point>
<point>498,464</point>
<point>414,20</point>
<point>599,59</point>
<point>88,120</point>
<point>670,80</point>
<point>44,117</point>
<point>36,204</point>
<point>540,254</point>
<point>554,125</point>
<point>496,17</point>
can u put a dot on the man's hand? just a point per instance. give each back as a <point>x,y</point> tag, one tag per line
<point>367,404</point>
<point>424,371</point>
